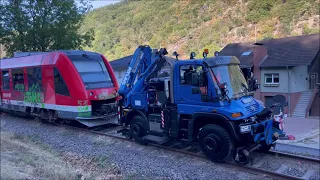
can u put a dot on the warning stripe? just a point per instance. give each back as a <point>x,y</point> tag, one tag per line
<point>162,118</point>
<point>47,106</point>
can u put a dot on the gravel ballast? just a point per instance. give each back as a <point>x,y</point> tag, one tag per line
<point>134,161</point>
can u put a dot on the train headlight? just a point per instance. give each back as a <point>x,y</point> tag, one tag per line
<point>91,93</point>
<point>245,128</point>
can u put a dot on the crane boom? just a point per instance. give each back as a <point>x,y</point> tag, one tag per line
<point>142,63</point>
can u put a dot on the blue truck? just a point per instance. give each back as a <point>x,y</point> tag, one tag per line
<point>205,101</point>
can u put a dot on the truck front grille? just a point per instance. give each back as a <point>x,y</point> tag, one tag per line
<point>252,108</point>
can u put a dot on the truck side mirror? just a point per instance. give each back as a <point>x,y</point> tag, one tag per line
<point>223,88</point>
<point>253,84</point>
<point>195,79</point>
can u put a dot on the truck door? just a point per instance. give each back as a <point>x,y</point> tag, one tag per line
<point>183,86</point>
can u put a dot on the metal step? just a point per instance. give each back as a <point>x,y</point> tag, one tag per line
<point>155,139</point>
<point>298,115</point>
<point>300,111</point>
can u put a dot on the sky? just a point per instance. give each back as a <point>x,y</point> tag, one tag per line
<point>100,3</point>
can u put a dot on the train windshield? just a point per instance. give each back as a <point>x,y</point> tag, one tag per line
<point>93,71</point>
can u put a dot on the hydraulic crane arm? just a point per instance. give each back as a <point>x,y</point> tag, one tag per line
<point>141,65</point>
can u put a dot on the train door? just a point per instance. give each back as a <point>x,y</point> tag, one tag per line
<point>48,84</point>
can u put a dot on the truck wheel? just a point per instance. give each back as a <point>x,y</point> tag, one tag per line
<point>215,142</point>
<point>137,129</point>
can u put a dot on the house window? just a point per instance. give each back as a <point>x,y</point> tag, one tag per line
<point>271,78</point>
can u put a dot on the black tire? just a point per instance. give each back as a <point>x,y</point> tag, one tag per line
<point>214,134</point>
<point>138,129</point>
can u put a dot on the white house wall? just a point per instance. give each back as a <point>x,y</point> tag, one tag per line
<point>119,73</point>
<point>283,80</point>
<point>299,80</point>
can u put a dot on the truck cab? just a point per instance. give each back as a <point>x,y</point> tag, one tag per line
<point>204,101</point>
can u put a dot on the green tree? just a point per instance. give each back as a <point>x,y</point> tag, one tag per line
<point>40,25</point>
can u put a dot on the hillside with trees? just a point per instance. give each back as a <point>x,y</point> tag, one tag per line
<point>193,25</point>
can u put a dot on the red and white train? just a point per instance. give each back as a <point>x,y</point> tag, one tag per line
<point>69,84</point>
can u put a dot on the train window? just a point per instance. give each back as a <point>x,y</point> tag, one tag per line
<point>5,80</point>
<point>97,76</point>
<point>59,84</point>
<point>34,79</point>
<point>18,79</point>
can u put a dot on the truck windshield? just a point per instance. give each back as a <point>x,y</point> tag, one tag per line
<point>93,71</point>
<point>232,75</point>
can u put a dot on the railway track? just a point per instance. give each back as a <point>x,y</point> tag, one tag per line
<point>254,167</point>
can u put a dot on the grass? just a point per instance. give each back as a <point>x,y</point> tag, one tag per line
<point>22,158</point>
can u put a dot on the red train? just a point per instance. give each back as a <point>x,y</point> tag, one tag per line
<point>69,84</point>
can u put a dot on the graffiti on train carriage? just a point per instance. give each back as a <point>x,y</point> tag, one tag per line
<point>34,96</point>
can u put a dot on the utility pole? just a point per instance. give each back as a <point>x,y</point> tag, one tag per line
<point>255,32</point>
<point>1,51</point>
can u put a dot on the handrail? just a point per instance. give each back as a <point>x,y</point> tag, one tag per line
<point>315,91</point>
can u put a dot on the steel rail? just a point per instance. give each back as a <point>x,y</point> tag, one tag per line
<point>246,168</point>
<point>295,156</point>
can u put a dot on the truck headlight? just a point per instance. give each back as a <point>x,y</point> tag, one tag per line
<point>245,128</point>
